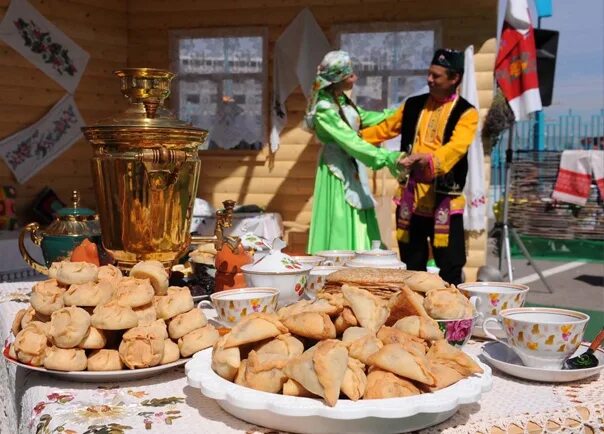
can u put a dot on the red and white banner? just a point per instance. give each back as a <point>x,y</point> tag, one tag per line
<point>516,64</point>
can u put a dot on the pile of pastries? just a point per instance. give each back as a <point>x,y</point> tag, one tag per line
<point>340,346</point>
<point>406,292</point>
<point>94,318</point>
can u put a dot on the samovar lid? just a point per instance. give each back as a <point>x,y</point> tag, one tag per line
<point>146,89</point>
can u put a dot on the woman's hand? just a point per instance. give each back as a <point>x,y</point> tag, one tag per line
<point>418,161</point>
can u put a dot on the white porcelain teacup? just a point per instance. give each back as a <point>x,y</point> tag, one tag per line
<point>543,337</point>
<point>234,304</point>
<point>313,261</point>
<point>336,257</point>
<point>493,297</point>
<point>316,279</point>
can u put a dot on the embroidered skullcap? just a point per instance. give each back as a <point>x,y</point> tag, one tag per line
<point>450,59</point>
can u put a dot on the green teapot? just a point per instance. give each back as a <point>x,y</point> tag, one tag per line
<point>71,226</point>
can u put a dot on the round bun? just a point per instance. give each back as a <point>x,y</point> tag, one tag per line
<point>177,301</point>
<point>171,352</point>
<point>68,273</point>
<point>186,322</point>
<point>69,326</point>
<point>88,294</point>
<point>146,314</point>
<point>134,292</point>
<point>111,274</point>
<point>141,347</point>
<point>113,316</point>
<point>94,339</point>
<point>105,360</point>
<point>155,272</point>
<point>62,359</point>
<point>197,340</point>
<point>16,326</point>
<point>47,296</point>
<point>31,343</point>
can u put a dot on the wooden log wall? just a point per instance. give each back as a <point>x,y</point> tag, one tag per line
<point>136,33</point>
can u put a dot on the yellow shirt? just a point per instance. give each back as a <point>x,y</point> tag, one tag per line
<point>428,140</point>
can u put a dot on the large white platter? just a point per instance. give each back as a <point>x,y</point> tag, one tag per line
<point>308,415</point>
<point>103,376</point>
<point>504,359</point>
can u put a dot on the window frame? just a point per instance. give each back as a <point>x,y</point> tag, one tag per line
<point>225,32</point>
<point>382,27</point>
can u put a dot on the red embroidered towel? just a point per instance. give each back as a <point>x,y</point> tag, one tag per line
<point>575,175</point>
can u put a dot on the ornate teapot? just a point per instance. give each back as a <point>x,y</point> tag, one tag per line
<point>71,227</point>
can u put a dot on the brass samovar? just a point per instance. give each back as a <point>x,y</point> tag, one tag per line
<point>145,170</point>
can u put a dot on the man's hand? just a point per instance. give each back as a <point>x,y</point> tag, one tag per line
<point>416,161</point>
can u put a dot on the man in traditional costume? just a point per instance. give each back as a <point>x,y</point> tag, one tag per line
<point>436,129</point>
<point>343,213</point>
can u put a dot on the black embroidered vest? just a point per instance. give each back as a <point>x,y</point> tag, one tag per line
<point>453,182</point>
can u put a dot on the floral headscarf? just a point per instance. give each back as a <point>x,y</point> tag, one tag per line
<point>335,67</point>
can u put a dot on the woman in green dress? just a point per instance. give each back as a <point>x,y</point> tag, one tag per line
<point>343,213</point>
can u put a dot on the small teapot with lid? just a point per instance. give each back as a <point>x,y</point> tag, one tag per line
<point>71,227</point>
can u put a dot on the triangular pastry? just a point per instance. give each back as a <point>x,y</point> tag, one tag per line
<point>406,303</point>
<point>422,327</point>
<point>345,320</point>
<point>383,384</point>
<point>313,325</point>
<point>355,380</point>
<point>394,358</point>
<point>415,345</point>
<point>422,281</point>
<point>446,354</point>
<point>253,328</point>
<point>370,311</point>
<point>225,362</point>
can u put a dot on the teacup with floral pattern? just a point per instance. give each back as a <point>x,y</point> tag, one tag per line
<point>336,257</point>
<point>234,304</point>
<point>543,337</point>
<point>457,331</point>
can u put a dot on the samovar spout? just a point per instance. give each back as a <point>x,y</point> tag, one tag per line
<point>224,219</point>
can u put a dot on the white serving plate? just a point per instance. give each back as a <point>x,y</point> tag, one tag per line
<point>103,376</point>
<point>306,415</point>
<point>504,359</point>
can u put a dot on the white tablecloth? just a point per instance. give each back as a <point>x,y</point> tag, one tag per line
<point>31,402</point>
<point>265,225</point>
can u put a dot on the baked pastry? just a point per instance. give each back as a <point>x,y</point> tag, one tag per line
<point>422,281</point>
<point>286,345</point>
<point>11,352</point>
<point>105,360</point>
<point>171,352</point>
<point>155,272</point>
<point>448,303</point>
<point>253,328</point>
<point>381,282</point>
<point>361,349</point>
<point>424,328</point>
<point>186,322</point>
<point>47,296</point>
<point>345,320</point>
<point>406,303</point>
<point>240,377</point>
<point>321,369</point>
<point>355,380</point>
<point>31,343</point>
<point>65,359</point>
<point>370,311</point>
<point>198,340</point>
<point>204,254</point>
<point>293,388</point>
<point>94,339</point>
<point>146,314</point>
<point>16,326</point>
<point>68,273</point>
<point>394,358</point>
<point>444,375</point>
<point>225,362</point>
<point>178,300</point>
<point>134,292</point>
<point>113,316</point>
<point>110,273</point>
<point>88,294</point>
<point>306,306</point>
<point>264,371</point>
<point>69,326</point>
<point>141,347</point>
<point>391,335</point>
<point>383,384</point>
<point>313,325</point>
<point>444,353</point>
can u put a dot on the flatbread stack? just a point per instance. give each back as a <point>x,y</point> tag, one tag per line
<point>381,282</point>
<point>94,318</point>
<point>302,351</point>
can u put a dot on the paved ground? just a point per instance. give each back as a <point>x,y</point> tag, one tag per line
<point>575,285</point>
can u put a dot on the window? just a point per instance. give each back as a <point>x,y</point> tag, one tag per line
<point>221,84</point>
<point>390,59</point>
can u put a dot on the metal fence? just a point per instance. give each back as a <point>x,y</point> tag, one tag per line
<point>569,131</point>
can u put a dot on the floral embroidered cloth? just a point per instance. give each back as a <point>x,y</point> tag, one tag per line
<point>33,403</point>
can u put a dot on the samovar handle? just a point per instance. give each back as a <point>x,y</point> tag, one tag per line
<point>157,162</point>
<point>33,229</point>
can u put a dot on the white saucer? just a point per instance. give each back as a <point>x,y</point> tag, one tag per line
<point>501,357</point>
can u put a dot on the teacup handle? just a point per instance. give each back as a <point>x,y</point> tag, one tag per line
<point>34,232</point>
<point>328,263</point>
<point>490,335</point>
<point>205,304</point>
<point>475,301</point>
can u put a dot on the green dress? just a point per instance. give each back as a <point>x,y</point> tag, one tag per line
<point>343,213</point>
